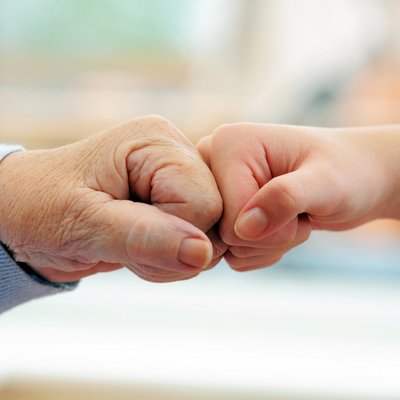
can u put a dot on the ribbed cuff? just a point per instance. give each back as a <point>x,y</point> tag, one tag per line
<point>17,287</point>
<point>5,150</point>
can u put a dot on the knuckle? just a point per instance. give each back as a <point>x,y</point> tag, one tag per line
<point>222,134</point>
<point>154,119</point>
<point>141,127</point>
<point>222,129</point>
<point>169,133</point>
<point>204,143</point>
<point>213,208</point>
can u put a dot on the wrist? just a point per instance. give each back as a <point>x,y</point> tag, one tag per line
<point>7,182</point>
<point>381,147</point>
<point>390,144</point>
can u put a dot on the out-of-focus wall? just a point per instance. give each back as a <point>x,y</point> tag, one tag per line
<point>69,69</point>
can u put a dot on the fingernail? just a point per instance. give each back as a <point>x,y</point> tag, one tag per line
<point>195,252</point>
<point>251,224</point>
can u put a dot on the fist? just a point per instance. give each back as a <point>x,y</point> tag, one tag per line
<point>279,182</point>
<point>138,195</point>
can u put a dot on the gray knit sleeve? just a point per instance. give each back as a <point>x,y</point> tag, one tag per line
<point>16,285</point>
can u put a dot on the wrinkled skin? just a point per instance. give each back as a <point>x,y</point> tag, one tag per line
<point>125,197</point>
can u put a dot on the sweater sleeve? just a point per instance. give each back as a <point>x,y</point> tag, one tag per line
<point>16,285</point>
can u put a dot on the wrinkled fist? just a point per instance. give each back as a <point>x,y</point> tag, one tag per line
<point>138,195</point>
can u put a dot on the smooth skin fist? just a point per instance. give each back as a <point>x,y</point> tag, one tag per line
<point>280,182</point>
<point>138,195</point>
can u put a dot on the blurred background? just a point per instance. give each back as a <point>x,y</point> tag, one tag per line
<point>325,322</point>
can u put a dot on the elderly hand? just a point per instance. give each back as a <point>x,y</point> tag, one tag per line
<point>279,182</point>
<point>138,195</point>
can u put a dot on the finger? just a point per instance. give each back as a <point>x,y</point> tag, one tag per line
<point>166,170</point>
<point>303,233</point>
<point>124,232</point>
<point>154,274</point>
<point>160,276</point>
<point>239,175</point>
<point>219,247</point>
<point>280,201</point>
<point>251,263</point>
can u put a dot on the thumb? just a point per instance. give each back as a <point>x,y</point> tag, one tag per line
<point>129,233</point>
<point>279,202</point>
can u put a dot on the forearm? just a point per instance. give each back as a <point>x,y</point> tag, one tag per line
<point>6,151</point>
<point>382,145</point>
<point>389,148</point>
<point>17,283</point>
